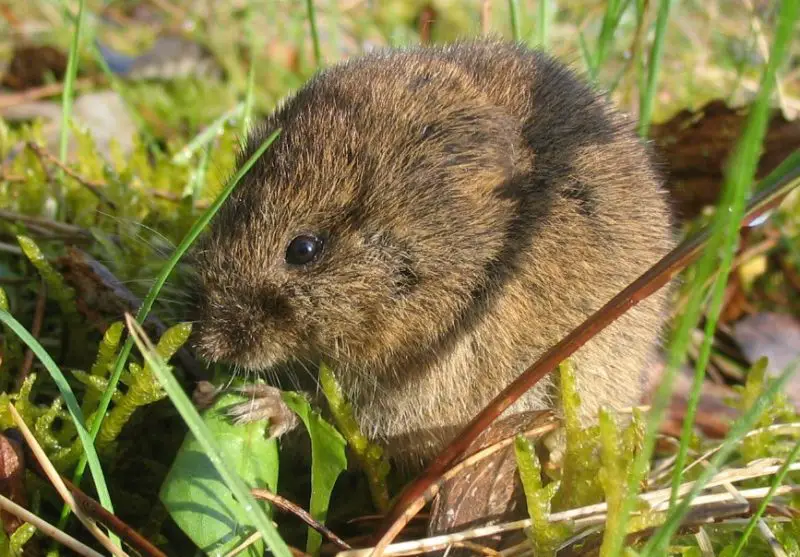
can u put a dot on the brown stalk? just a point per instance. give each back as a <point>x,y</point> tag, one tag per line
<point>36,329</point>
<point>287,506</point>
<point>414,497</point>
<point>45,223</point>
<point>92,185</point>
<point>35,93</point>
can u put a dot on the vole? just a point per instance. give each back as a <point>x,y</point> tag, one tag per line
<point>429,221</point>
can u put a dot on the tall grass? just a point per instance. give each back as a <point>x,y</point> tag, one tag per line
<point>648,94</point>
<point>605,40</point>
<point>251,72</point>
<point>516,27</point>
<point>312,22</point>
<point>67,99</point>
<point>543,22</point>
<point>724,237</point>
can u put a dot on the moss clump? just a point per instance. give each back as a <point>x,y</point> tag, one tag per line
<point>543,535</point>
<point>369,455</point>
<point>580,480</point>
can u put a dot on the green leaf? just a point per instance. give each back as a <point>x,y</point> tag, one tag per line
<point>195,494</point>
<point>327,462</point>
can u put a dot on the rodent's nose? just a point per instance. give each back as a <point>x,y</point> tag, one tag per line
<point>274,305</point>
<point>242,326</point>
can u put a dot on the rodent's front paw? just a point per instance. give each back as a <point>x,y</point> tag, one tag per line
<point>265,403</point>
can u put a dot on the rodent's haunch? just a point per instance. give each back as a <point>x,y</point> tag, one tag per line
<point>430,221</point>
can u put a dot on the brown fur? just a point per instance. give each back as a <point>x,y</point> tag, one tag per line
<point>478,202</point>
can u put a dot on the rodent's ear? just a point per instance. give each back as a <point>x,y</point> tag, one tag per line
<point>486,150</point>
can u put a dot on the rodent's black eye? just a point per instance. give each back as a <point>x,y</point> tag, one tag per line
<point>303,249</point>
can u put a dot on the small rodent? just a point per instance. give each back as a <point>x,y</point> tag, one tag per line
<point>429,221</point>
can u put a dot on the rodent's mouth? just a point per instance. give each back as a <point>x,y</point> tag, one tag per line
<point>217,348</point>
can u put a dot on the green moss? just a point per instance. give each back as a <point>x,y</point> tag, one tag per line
<point>143,387</point>
<point>764,443</point>
<point>12,349</point>
<point>543,535</point>
<point>370,456</point>
<point>56,286</point>
<point>580,481</point>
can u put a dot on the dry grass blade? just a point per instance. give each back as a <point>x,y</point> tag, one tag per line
<point>706,507</point>
<point>486,16</point>
<point>251,539</point>
<point>713,506</point>
<point>62,489</point>
<point>95,510</point>
<point>47,529</point>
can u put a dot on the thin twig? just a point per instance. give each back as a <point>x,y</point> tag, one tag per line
<point>36,329</point>
<point>287,506</point>
<point>96,187</point>
<point>60,227</point>
<point>60,487</point>
<point>651,281</point>
<point>95,510</point>
<point>47,529</point>
<point>35,93</point>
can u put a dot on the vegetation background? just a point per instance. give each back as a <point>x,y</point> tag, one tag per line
<point>119,123</point>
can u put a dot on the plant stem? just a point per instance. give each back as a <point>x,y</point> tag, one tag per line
<point>67,100</point>
<point>312,21</point>
<point>647,95</point>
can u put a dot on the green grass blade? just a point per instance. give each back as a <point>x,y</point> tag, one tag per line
<point>251,73</point>
<point>117,87</point>
<point>648,94</point>
<point>657,544</point>
<point>205,137</point>
<point>738,180</point>
<point>543,24</point>
<point>776,482</point>
<point>513,11</point>
<point>586,54</point>
<point>67,98</point>
<point>611,19</point>
<point>312,21</point>
<point>71,402</point>
<point>200,431</point>
<point>717,300</point>
<point>147,304</point>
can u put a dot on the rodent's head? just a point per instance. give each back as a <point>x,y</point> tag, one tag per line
<point>367,227</point>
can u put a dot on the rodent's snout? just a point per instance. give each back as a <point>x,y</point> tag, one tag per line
<point>242,328</point>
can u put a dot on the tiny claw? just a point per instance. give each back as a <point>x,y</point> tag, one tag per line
<point>204,394</point>
<point>265,403</point>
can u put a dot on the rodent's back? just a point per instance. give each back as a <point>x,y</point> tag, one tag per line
<point>501,201</point>
<point>589,216</point>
